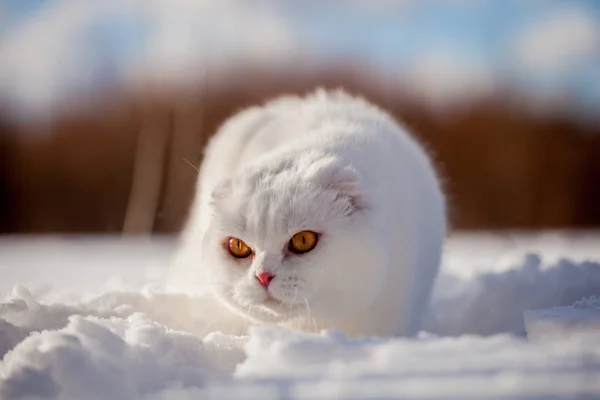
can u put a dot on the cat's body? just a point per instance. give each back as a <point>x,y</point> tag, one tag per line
<point>329,164</point>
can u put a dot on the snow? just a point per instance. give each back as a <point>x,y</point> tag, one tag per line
<point>495,302</point>
<point>582,318</point>
<point>106,358</point>
<point>512,317</point>
<point>430,367</point>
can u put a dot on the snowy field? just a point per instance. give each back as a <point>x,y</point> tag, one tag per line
<point>513,317</point>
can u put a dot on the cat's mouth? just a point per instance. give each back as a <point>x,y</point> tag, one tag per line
<point>272,308</point>
<point>271,301</point>
<point>281,308</point>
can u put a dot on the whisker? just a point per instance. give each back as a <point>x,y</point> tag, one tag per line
<point>293,300</point>
<point>190,164</point>
<point>203,333</point>
<point>210,283</point>
<point>308,308</point>
<point>222,296</point>
<point>250,313</point>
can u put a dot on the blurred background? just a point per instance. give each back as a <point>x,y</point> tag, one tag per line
<point>105,106</point>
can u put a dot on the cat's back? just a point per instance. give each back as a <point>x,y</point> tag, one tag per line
<point>331,120</point>
<point>350,127</point>
<point>303,118</point>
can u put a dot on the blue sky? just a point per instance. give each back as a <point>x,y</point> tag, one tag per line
<point>484,33</point>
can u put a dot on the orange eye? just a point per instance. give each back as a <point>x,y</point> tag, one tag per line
<point>238,248</point>
<point>303,242</point>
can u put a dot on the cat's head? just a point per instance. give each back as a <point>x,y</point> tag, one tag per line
<point>290,238</point>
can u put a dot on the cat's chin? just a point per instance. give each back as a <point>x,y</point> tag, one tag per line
<point>276,311</point>
<point>278,307</point>
<point>269,310</point>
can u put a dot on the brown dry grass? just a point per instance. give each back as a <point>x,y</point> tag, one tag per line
<point>503,168</point>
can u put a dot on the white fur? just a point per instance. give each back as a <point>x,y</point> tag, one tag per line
<point>333,164</point>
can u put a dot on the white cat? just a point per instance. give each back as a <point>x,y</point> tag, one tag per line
<point>316,213</point>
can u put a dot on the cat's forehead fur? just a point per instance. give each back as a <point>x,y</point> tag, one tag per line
<point>274,199</point>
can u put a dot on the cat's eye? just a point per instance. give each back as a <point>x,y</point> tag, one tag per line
<point>303,242</point>
<point>238,248</point>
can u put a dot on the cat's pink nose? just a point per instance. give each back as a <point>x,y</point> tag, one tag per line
<point>265,278</point>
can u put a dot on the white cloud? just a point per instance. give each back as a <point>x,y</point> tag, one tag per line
<point>189,36</point>
<point>557,40</point>
<point>445,77</point>
<point>378,6</point>
<point>44,55</point>
<point>67,46</point>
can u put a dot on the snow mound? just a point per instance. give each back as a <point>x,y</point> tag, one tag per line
<point>494,302</point>
<point>136,358</point>
<point>148,344</point>
<point>116,358</point>
<point>582,318</point>
<point>428,367</point>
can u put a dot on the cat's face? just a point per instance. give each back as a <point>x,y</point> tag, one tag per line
<point>286,240</point>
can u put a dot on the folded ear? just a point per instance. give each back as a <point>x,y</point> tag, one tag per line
<point>343,178</point>
<point>222,190</point>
